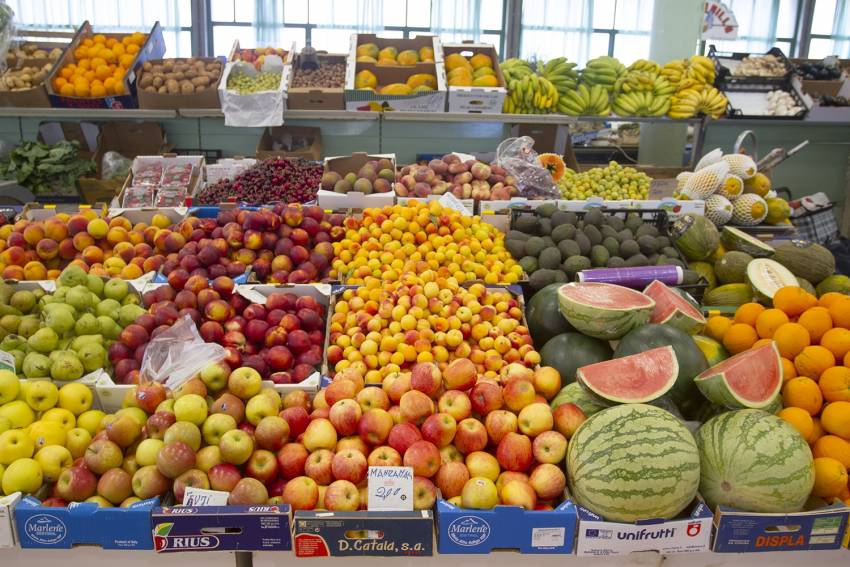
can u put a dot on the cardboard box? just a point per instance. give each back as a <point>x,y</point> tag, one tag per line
<point>415,43</point>
<point>467,531</point>
<point>221,528</point>
<point>153,48</point>
<point>309,98</point>
<point>354,200</point>
<point>141,161</point>
<point>690,532</point>
<point>84,524</point>
<point>747,532</point>
<point>468,204</point>
<point>41,212</point>
<point>364,534</point>
<point>7,520</point>
<point>370,101</point>
<point>35,97</point>
<point>207,98</point>
<point>237,55</point>
<point>476,100</point>
<point>306,140</point>
<point>228,168</point>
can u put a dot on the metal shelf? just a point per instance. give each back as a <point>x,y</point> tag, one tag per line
<point>111,113</point>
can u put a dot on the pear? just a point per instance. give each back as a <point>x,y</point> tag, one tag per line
<point>10,322</point>
<point>116,289</point>
<point>23,300</point>
<point>72,276</point>
<point>36,365</point>
<point>129,313</point>
<point>66,367</point>
<point>29,325</point>
<point>108,307</point>
<point>12,342</point>
<point>44,340</point>
<point>95,284</point>
<point>87,324</point>
<point>108,327</point>
<point>59,320</point>
<point>19,359</point>
<point>92,356</point>
<point>79,297</point>
<point>79,342</point>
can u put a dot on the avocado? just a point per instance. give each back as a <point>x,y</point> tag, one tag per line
<point>563,232</point>
<point>594,217</point>
<point>541,278</point>
<point>547,240</point>
<point>676,262</point>
<point>660,260</point>
<point>663,241</point>
<point>550,258</point>
<point>637,260</point>
<point>633,222</point>
<point>544,226</point>
<point>583,243</point>
<point>569,248</point>
<point>528,264</point>
<point>516,235</point>
<point>629,248</point>
<point>615,262</point>
<point>516,248</point>
<point>534,245</point>
<point>546,210</point>
<point>611,244</point>
<point>599,256</point>
<point>616,223</point>
<point>564,217</point>
<point>646,229</point>
<point>625,234</point>
<point>607,232</point>
<point>670,252</point>
<point>648,244</point>
<point>575,264</point>
<point>526,224</point>
<point>593,234</point>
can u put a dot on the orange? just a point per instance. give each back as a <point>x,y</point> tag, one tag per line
<point>817,321</point>
<point>109,83</point>
<point>99,38</point>
<point>59,82</point>
<point>117,48</point>
<point>840,312</point>
<point>739,337</point>
<point>791,339</point>
<point>847,360</point>
<point>98,90</point>
<point>102,72</point>
<point>108,55</point>
<point>837,340</point>
<point>132,49</point>
<point>90,76</point>
<point>793,300</point>
<point>802,393</point>
<point>80,52</point>
<point>118,88</point>
<point>126,59</point>
<point>788,370</point>
<point>834,447</point>
<point>800,419</point>
<point>110,42</point>
<point>67,90</point>
<point>84,64</point>
<point>81,90</point>
<point>67,72</point>
<point>836,419</point>
<point>716,326</point>
<point>768,321</point>
<point>97,62</point>
<point>828,299</point>
<point>761,342</point>
<point>88,42</point>
<point>830,478</point>
<point>748,313</point>
<point>835,384</point>
<point>817,430</point>
<point>813,361</point>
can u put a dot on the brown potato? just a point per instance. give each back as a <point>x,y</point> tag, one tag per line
<point>158,81</point>
<point>172,86</point>
<point>147,66</point>
<point>146,81</point>
<point>150,89</point>
<point>186,87</point>
<point>162,90</point>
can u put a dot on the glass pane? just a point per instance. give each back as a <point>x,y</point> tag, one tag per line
<point>534,13</point>
<point>332,41</point>
<point>298,35</point>
<point>395,14</point>
<point>221,10</point>
<point>598,46</point>
<point>419,11</point>
<point>820,48</point>
<point>823,18</point>
<point>295,12</point>
<point>491,15</point>
<point>634,15</point>
<point>245,12</point>
<point>629,47</point>
<point>224,36</point>
<point>494,39</point>
<point>603,13</point>
<point>787,18</point>
<point>394,33</point>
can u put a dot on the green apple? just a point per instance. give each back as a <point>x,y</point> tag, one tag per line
<point>62,416</point>
<point>24,475</point>
<point>18,412</point>
<point>9,386</point>
<point>166,405</point>
<point>192,408</point>
<point>215,426</point>
<point>42,395</point>
<point>15,444</point>
<point>76,398</point>
<point>52,459</point>
<point>90,420</point>
<point>147,450</point>
<point>43,433</point>
<point>77,440</point>
<point>5,424</point>
<point>261,406</point>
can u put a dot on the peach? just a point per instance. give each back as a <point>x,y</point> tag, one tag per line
<point>35,271</point>
<point>14,273</point>
<point>92,255</point>
<point>117,234</point>
<point>125,251</point>
<point>122,222</point>
<point>33,233</point>
<point>47,249</point>
<point>97,228</point>
<point>82,240</point>
<point>55,229</point>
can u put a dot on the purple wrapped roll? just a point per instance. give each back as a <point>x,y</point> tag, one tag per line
<point>636,278</point>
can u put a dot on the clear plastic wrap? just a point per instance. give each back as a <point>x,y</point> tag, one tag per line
<point>115,166</point>
<point>175,355</point>
<point>518,157</point>
<point>171,196</point>
<point>177,175</point>
<point>147,173</point>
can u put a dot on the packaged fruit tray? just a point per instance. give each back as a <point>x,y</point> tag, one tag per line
<point>656,218</point>
<point>726,63</point>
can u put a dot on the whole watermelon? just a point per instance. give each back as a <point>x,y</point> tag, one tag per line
<point>691,360</point>
<point>754,461</point>
<point>544,316</point>
<point>568,352</point>
<point>631,462</point>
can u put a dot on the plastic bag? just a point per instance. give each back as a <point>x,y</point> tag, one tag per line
<point>115,166</point>
<point>533,180</point>
<point>175,355</point>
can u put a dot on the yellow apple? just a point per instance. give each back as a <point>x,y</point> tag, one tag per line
<point>18,412</point>
<point>43,433</point>
<point>5,423</point>
<point>9,386</point>
<point>479,493</point>
<point>24,475</point>
<point>90,420</point>
<point>147,450</point>
<point>77,441</point>
<point>483,465</point>
<point>100,501</point>
<point>42,395</point>
<point>52,459</point>
<point>75,397</point>
<point>136,413</point>
<point>192,408</point>
<point>15,444</point>
<point>62,416</point>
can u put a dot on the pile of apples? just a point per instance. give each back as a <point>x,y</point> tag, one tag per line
<point>470,179</point>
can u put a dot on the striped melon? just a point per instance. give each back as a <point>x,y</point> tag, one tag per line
<point>573,393</point>
<point>633,462</point>
<point>754,461</point>
<point>604,311</point>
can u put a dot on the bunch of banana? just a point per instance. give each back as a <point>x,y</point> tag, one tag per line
<point>641,104</point>
<point>701,69</point>
<point>515,68</point>
<point>560,73</point>
<point>645,65</point>
<point>603,71</point>
<point>531,95</point>
<point>585,101</point>
<point>674,70</point>
<point>691,102</point>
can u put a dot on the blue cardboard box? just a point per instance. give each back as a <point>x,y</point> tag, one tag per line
<point>741,532</point>
<point>84,523</point>
<point>377,534</point>
<point>221,528</point>
<point>461,530</point>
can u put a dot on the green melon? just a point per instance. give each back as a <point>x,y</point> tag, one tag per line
<point>733,295</point>
<point>835,283</point>
<point>755,462</point>
<point>632,462</point>
<point>543,316</point>
<point>568,352</point>
<point>766,277</point>
<point>706,270</point>
<point>602,310</point>
<point>732,267</point>
<point>695,236</point>
<point>807,260</point>
<point>573,393</point>
<point>736,239</point>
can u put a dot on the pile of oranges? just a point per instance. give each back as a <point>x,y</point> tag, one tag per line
<point>101,63</point>
<point>813,337</point>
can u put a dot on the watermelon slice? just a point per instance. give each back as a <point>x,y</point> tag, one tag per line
<point>604,311</point>
<point>634,379</point>
<point>673,309</point>
<point>750,379</point>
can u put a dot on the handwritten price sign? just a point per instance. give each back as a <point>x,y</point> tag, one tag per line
<point>390,488</point>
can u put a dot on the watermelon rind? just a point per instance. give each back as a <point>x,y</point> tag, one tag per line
<point>684,316</point>
<point>735,239</point>
<point>713,351</point>
<point>604,322</point>
<point>616,368</point>
<point>715,386</point>
<point>755,462</point>
<point>573,393</point>
<point>633,462</point>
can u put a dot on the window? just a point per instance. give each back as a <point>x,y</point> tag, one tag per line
<point>584,29</point>
<point>763,24</point>
<point>830,29</point>
<point>174,16</point>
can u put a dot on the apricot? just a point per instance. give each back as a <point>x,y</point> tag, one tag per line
<point>122,222</point>
<point>55,229</point>
<point>35,271</point>
<point>117,234</point>
<point>124,250</point>
<point>160,221</point>
<point>89,214</point>
<point>53,274</point>
<point>66,249</point>
<point>83,240</point>
<point>93,255</point>
<point>130,272</point>
<point>13,273</point>
<point>77,224</point>
<point>33,233</point>
<point>97,228</point>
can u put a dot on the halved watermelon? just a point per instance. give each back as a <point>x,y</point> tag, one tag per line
<point>750,379</point>
<point>673,309</point>
<point>602,310</point>
<point>634,379</point>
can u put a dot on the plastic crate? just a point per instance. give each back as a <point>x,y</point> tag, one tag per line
<point>724,76</point>
<point>756,88</point>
